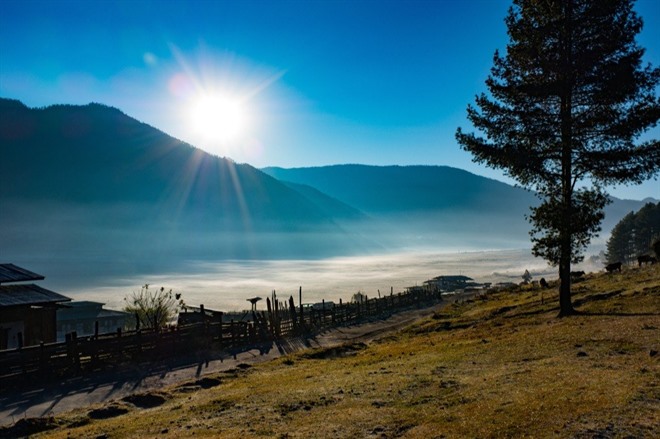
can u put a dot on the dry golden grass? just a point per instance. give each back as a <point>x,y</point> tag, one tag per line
<point>500,366</point>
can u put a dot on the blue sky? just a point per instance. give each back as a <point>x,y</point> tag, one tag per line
<point>320,82</point>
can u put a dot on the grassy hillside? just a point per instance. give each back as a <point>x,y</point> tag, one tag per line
<point>502,365</point>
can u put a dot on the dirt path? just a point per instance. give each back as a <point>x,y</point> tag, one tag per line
<point>105,386</point>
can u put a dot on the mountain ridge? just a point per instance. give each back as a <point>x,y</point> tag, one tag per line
<point>454,190</point>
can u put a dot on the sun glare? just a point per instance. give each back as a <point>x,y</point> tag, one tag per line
<point>218,117</point>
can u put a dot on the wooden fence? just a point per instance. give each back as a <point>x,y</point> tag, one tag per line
<point>282,319</point>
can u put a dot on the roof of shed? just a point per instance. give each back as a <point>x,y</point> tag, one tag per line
<point>28,294</point>
<point>13,273</point>
<point>452,278</point>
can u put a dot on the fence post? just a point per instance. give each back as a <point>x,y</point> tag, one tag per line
<point>220,330</point>
<point>74,350</point>
<point>138,337</point>
<point>42,357</point>
<point>95,344</point>
<point>253,332</point>
<point>322,313</point>
<point>270,316</point>
<point>294,317</point>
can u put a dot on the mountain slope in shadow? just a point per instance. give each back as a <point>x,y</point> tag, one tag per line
<point>95,154</point>
<point>90,183</point>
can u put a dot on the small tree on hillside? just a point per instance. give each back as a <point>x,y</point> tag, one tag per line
<point>358,297</point>
<point>567,105</point>
<point>153,309</point>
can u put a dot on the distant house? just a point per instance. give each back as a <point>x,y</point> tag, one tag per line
<point>27,311</point>
<point>451,283</point>
<point>190,315</point>
<point>82,317</point>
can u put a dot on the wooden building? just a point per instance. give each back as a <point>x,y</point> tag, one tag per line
<point>85,317</point>
<point>27,311</point>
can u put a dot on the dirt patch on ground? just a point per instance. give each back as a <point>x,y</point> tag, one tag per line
<point>145,400</point>
<point>111,410</point>
<point>345,350</point>
<point>306,405</point>
<point>208,382</point>
<point>28,426</point>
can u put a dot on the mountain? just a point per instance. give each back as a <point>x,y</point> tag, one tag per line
<point>95,154</point>
<point>437,197</point>
<point>89,182</point>
<point>328,204</point>
<point>394,190</point>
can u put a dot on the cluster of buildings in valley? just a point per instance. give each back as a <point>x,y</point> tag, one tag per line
<point>456,283</point>
<point>31,314</point>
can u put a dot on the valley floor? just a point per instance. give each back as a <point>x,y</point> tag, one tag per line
<point>501,365</point>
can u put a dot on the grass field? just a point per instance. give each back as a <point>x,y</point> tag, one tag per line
<point>502,365</point>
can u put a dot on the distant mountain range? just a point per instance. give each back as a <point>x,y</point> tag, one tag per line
<point>440,196</point>
<point>89,182</point>
<point>400,190</point>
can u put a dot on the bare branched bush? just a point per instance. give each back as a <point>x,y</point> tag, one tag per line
<point>154,309</point>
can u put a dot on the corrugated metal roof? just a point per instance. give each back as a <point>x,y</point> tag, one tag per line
<point>13,273</point>
<point>68,314</point>
<point>85,309</point>
<point>28,294</point>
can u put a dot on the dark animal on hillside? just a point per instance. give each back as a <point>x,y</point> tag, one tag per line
<point>616,266</point>
<point>543,283</point>
<point>577,274</point>
<point>646,259</point>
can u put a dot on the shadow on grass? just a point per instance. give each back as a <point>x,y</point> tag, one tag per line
<point>40,395</point>
<point>613,314</point>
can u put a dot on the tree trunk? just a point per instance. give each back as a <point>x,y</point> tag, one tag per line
<point>565,304</point>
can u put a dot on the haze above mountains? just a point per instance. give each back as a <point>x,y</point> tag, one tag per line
<point>88,184</point>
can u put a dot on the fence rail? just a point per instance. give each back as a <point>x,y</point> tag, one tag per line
<point>282,319</point>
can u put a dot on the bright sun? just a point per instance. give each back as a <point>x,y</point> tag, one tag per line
<point>218,117</point>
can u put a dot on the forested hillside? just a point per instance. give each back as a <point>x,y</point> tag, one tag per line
<point>635,235</point>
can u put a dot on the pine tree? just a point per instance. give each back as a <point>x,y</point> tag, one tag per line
<point>619,245</point>
<point>565,110</point>
<point>635,235</point>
